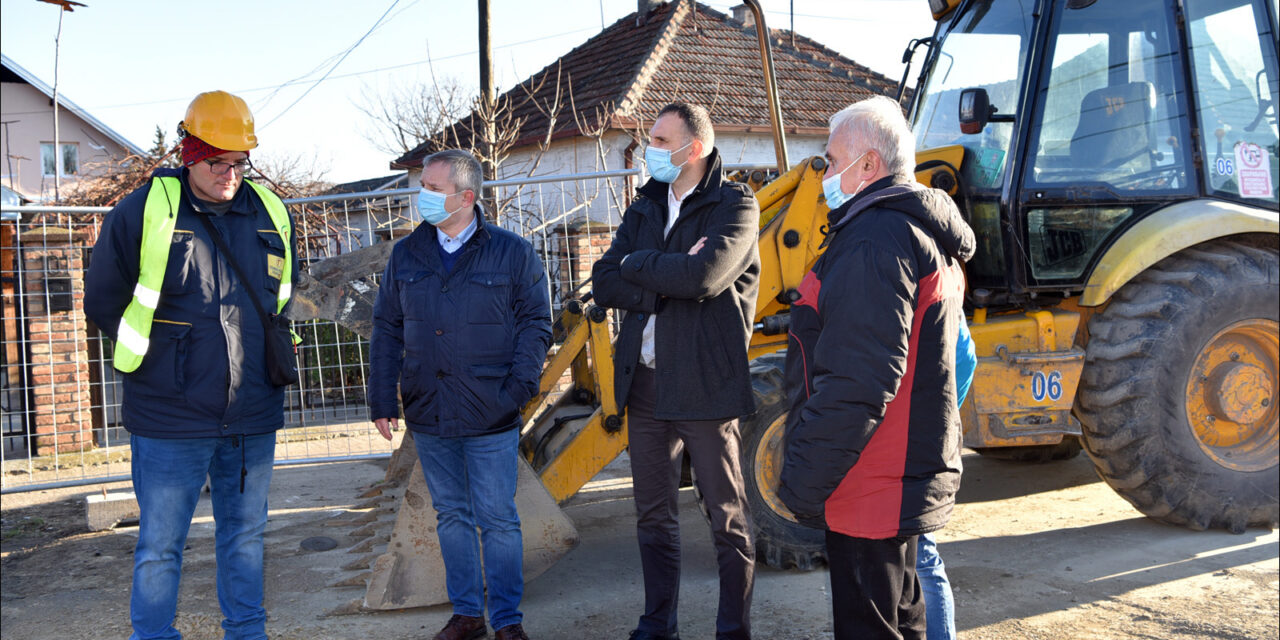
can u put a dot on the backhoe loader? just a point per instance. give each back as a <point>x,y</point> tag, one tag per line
<point>1118,163</point>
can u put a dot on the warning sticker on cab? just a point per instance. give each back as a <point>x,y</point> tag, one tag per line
<point>1253,171</point>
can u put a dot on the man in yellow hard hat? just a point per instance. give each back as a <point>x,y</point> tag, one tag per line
<point>188,277</point>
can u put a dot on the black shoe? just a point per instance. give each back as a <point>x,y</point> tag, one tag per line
<point>645,635</point>
<point>511,632</point>
<point>463,628</point>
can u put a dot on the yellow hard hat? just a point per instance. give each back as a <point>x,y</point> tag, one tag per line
<point>222,120</point>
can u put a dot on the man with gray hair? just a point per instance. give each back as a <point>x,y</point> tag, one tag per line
<point>873,434</point>
<point>462,325</point>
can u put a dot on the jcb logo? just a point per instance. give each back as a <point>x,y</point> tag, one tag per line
<point>1114,104</point>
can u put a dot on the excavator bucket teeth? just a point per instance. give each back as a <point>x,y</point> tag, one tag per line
<point>411,571</point>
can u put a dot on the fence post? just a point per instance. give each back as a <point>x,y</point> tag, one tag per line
<point>582,244</point>
<point>57,341</point>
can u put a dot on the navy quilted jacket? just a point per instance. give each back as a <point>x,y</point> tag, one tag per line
<point>465,347</point>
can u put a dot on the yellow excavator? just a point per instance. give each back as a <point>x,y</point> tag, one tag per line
<point>1118,163</point>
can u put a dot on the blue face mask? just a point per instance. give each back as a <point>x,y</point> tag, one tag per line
<point>658,162</point>
<point>831,187</point>
<point>431,206</point>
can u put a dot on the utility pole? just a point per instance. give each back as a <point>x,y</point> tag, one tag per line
<point>488,104</point>
<point>57,138</point>
<point>486,54</point>
<point>8,156</point>
<point>66,6</point>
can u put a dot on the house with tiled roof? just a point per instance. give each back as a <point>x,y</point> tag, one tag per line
<point>371,218</point>
<point>30,162</point>
<point>609,88</point>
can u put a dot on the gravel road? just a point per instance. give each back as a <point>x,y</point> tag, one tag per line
<point>1034,551</point>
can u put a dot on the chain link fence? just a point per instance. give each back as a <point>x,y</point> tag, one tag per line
<point>60,396</point>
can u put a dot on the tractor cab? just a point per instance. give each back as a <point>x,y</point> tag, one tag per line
<point>1118,162</point>
<point>1080,118</point>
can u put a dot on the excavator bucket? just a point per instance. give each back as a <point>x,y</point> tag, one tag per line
<point>410,571</point>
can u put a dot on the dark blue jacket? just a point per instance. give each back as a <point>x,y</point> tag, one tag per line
<point>467,346</point>
<point>204,374</point>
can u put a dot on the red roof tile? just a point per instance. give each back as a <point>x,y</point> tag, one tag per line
<point>680,51</point>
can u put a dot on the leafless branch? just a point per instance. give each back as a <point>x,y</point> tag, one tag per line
<point>405,116</point>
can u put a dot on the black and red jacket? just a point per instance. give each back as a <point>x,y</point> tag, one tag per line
<point>873,436</point>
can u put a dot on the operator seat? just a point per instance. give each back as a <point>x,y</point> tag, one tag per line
<point>1115,128</point>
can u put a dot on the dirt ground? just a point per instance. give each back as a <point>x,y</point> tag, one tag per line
<point>1034,552</point>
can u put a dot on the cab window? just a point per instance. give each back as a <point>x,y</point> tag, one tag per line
<point>1110,111</point>
<point>1109,135</point>
<point>984,47</point>
<point>1235,81</point>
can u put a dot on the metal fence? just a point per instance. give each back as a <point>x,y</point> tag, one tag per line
<point>60,397</point>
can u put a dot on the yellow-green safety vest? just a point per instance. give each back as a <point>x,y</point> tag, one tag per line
<point>159,218</point>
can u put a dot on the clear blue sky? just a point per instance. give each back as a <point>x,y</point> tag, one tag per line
<point>136,64</point>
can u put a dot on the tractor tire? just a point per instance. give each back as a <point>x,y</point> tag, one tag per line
<point>1036,454</point>
<point>1178,397</point>
<point>780,541</point>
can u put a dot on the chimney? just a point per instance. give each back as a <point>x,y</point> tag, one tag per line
<point>742,13</point>
<point>643,7</point>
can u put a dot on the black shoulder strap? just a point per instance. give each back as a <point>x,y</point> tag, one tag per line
<point>226,253</point>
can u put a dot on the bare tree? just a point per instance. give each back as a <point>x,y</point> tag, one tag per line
<point>495,129</point>
<point>594,126</point>
<point>442,115</point>
<point>550,109</point>
<point>507,129</point>
<point>292,175</point>
<point>103,184</point>
<point>437,116</point>
<point>406,116</point>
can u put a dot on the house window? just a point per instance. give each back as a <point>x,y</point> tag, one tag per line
<point>70,158</point>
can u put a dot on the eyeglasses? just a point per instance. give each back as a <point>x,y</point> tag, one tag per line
<point>220,168</point>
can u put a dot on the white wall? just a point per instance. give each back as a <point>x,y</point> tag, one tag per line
<point>559,203</point>
<point>602,200</point>
<point>738,148</point>
<point>30,116</point>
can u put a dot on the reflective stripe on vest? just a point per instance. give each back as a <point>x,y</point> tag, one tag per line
<point>159,219</point>
<point>279,218</point>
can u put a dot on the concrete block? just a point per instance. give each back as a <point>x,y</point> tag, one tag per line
<point>109,509</point>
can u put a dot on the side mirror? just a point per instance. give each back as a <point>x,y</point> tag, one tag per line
<point>975,110</point>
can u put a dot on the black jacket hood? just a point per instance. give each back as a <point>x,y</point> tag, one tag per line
<point>932,208</point>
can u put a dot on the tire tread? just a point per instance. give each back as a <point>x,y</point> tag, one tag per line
<point>1128,407</point>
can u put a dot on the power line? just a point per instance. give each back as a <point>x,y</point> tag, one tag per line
<point>450,56</point>
<point>265,101</point>
<point>343,75</point>
<point>335,65</point>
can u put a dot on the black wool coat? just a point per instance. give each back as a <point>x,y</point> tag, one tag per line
<point>704,303</point>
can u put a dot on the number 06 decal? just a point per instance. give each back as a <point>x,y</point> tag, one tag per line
<point>1046,385</point>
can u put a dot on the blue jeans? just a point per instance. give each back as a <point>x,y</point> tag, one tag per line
<point>167,477</point>
<point>472,480</point>
<point>940,609</point>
